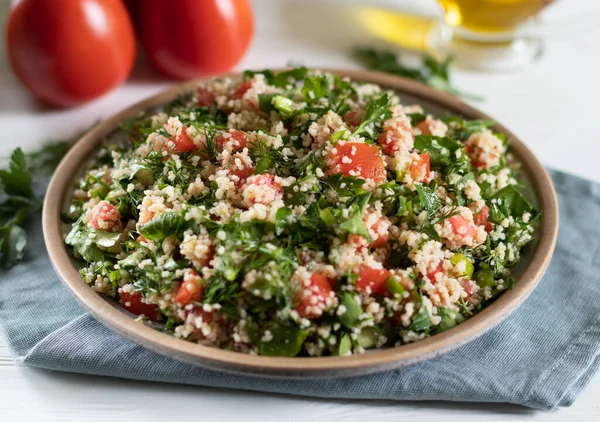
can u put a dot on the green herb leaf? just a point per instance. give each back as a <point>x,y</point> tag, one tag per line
<point>46,159</point>
<point>315,88</point>
<point>420,321</point>
<point>282,218</point>
<point>346,186</point>
<point>164,225</point>
<point>269,75</point>
<point>450,319</point>
<point>283,105</point>
<point>431,72</point>
<point>344,346</point>
<point>17,179</point>
<point>12,242</point>
<point>444,152</point>
<point>282,79</point>
<point>106,239</point>
<point>377,111</point>
<point>340,134</point>
<point>369,337</point>
<point>265,102</point>
<point>428,198</point>
<point>286,341</point>
<point>80,240</point>
<point>509,202</point>
<point>350,317</point>
<point>355,224</point>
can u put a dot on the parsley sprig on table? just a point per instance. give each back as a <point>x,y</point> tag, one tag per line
<point>431,72</point>
<point>18,199</point>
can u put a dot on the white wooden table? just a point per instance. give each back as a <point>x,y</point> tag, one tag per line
<point>551,105</point>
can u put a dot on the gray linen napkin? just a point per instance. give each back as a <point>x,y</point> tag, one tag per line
<point>542,356</point>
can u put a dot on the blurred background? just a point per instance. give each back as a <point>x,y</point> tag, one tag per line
<point>546,98</point>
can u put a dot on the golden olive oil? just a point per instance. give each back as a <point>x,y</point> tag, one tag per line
<point>490,15</point>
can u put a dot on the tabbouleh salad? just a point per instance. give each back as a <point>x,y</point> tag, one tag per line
<point>300,214</point>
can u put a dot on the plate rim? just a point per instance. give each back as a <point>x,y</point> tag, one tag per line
<point>300,367</point>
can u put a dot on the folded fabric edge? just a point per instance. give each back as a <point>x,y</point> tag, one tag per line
<point>574,371</point>
<point>21,359</point>
<point>150,368</point>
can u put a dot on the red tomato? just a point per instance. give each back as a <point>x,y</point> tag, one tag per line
<point>461,226</point>
<point>242,173</point>
<point>360,160</point>
<point>422,126</point>
<point>313,299</point>
<point>379,241</point>
<point>466,287</point>
<point>212,250</point>
<point>474,153</point>
<point>104,216</point>
<point>242,89</point>
<point>183,143</point>
<point>190,289</point>
<point>71,52</point>
<point>207,318</point>
<point>399,137</point>
<point>205,97</point>
<point>353,118</point>
<point>269,190</point>
<point>431,274</point>
<point>420,169</point>
<point>188,38</point>
<point>133,303</point>
<point>481,218</point>
<point>372,278</point>
<point>235,138</point>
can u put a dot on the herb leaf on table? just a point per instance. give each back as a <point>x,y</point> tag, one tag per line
<point>17,197</point>
<point>431,72</point>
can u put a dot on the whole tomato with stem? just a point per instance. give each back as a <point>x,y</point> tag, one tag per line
<point>67,52</point>
<point>187,38</point>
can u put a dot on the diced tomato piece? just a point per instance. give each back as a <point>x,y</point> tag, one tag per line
<point>379,241</point>
<point>461,226</point>
<point>183,143</point>
<point>133,303</point>
<point>423,127</point>
<point>358,159</point>
<point>420,169</point>
<point>205,97</point>
<point>236,139</point>
<point>431,274</point>
<point>190,290</point>
<point>211,254</point>
<point>466,287</point>
<point>207,317</point>
<point>481,218</point>
<point>398,137</point>
<point>261,189</point>
<point>104,216</point>
<point>474,154</point>
<point>242,89</point>
<point>242,174</point>
<point>314,299</point>
<point>353,118</point>
<point>372,279</point>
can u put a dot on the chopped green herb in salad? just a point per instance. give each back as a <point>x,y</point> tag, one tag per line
<point>300,214</point>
